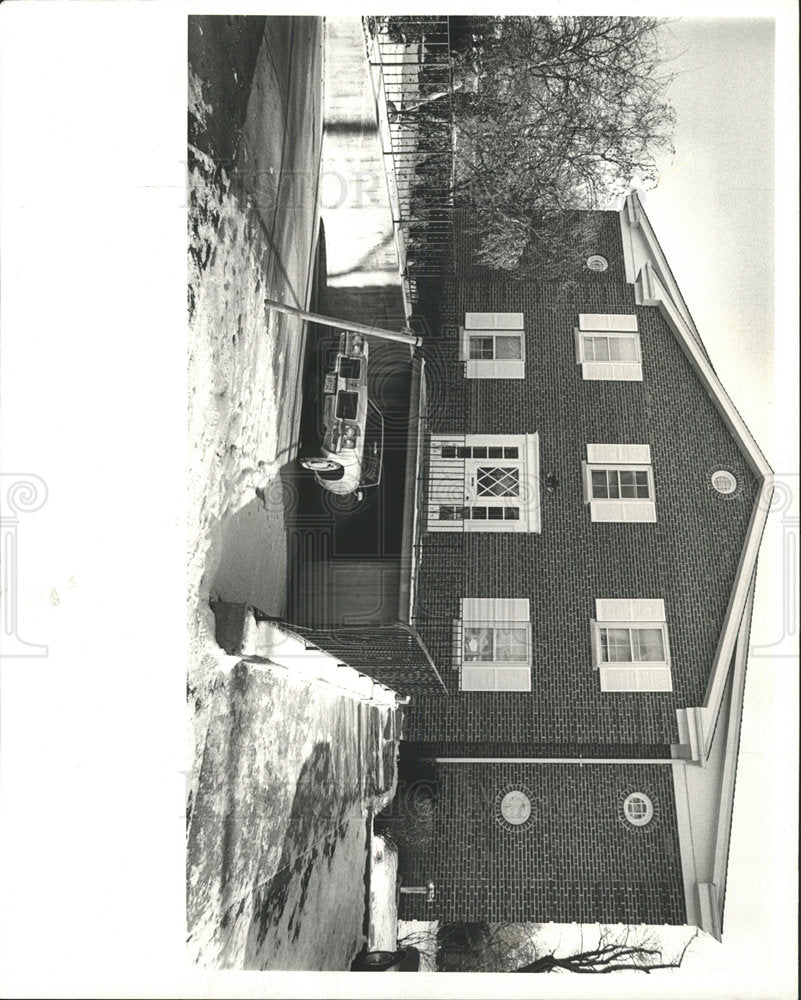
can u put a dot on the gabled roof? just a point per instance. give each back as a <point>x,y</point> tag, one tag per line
<point>704,774</point>
<point>654,285</point>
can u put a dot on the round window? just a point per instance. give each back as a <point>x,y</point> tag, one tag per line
<point>724,482</point>
<point>638,809</point>
<point>597,263</point>
<point>515,807</point>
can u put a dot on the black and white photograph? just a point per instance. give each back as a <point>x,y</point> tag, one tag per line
<point>400,502</point>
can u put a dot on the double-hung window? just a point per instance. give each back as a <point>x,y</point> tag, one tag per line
<point>630,645</point>
<point>619,482</point>
<point>608,347</point>
<point>492,345</point>
<point>492,644</point>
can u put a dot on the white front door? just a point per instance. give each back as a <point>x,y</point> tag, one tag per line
<point>483,483</point>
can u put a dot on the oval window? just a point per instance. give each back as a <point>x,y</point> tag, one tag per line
<point>597,263</point>
<point>515,807</point>
<point>724,482</point>
<point>638,809</point>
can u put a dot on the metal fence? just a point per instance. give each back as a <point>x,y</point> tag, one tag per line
<point>411,68</point>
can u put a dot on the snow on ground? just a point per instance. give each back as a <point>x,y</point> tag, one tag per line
<point>232,399</point>
<point>382,932</point>
<point>422,934</point>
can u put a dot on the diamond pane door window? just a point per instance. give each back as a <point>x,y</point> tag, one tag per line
<point>484,482</point>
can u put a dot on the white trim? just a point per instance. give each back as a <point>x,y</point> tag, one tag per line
<point>647,270</point>
<point>553,760</point>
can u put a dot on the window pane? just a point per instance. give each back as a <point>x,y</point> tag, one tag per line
<point>615,645</point>
<point>599,487</point>
<point>448,451</point>
<point>510,644</point>
<point>478,643</point>
<point>642,485</point>
<point>613,482</point>
<point>478,513</point>
<point>622,349</point>
<point>495,453</point>
<point>647,644</point>
<point>627,486</point>
<point>480,348</point>
<point>479,452</point>
<point>463,453</point>
<point>498,481</point>
<point>495,513</point>
<point>599,348</point>
<point>508,348</point>
<point>448,513</point>
<point>511,513</point>
<point>509,453</point>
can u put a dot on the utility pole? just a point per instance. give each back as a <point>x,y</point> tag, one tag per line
<point>371,331</point>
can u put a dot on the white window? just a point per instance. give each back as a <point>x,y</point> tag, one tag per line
<point>492,640</point>
<point>493,345</point>
<point>630,645</point>
<point>608,347</point>
<point>638,809</point>
<point>483,482</point>
<point>619,482</point>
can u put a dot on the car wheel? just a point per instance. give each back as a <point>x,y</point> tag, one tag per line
<point>316,463</point>
<point>377,961</point>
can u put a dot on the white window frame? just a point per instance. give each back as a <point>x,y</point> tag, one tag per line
<point>493,324</point>
<point>611,326</point>
<point>492,675</point>
<point>631,675</point>
<point>619,458</point>
<point>449,482</point>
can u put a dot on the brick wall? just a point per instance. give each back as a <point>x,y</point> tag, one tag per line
<point>576,859</point>
<point>688,557</point>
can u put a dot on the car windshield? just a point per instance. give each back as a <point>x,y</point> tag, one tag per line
<point>373,446</point>
<point>347,405</point>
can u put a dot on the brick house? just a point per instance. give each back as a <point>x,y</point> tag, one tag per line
<point>567,604</point>
<point>583,513</point>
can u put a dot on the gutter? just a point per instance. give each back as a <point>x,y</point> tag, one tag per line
<point>414,451</point>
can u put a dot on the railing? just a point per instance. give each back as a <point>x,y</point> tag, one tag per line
<point>411,69</point>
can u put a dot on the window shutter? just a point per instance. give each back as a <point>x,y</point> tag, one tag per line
<point>608,321</point>
<point>463,345</point>
<point>607,371</point>
<point>655,678</point>
<point>484,678</point>
<point>477,678</point>
<point>496,369</point>
<point>619,454</point>
<point>630,610</point>
<point>493,321</point>
<point>631,511</point>
<point>495,609</point>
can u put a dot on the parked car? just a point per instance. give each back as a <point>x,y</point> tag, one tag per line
<point>402,960</point>
<point>353,438</point>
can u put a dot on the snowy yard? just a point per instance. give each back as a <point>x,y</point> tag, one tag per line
<point>283,770</point>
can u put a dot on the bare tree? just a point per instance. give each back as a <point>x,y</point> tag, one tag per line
<point>525,948</point>
<point>626,950</point>
<point>554,113</point>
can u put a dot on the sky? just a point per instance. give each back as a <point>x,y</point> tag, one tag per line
<point>93,249</point>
